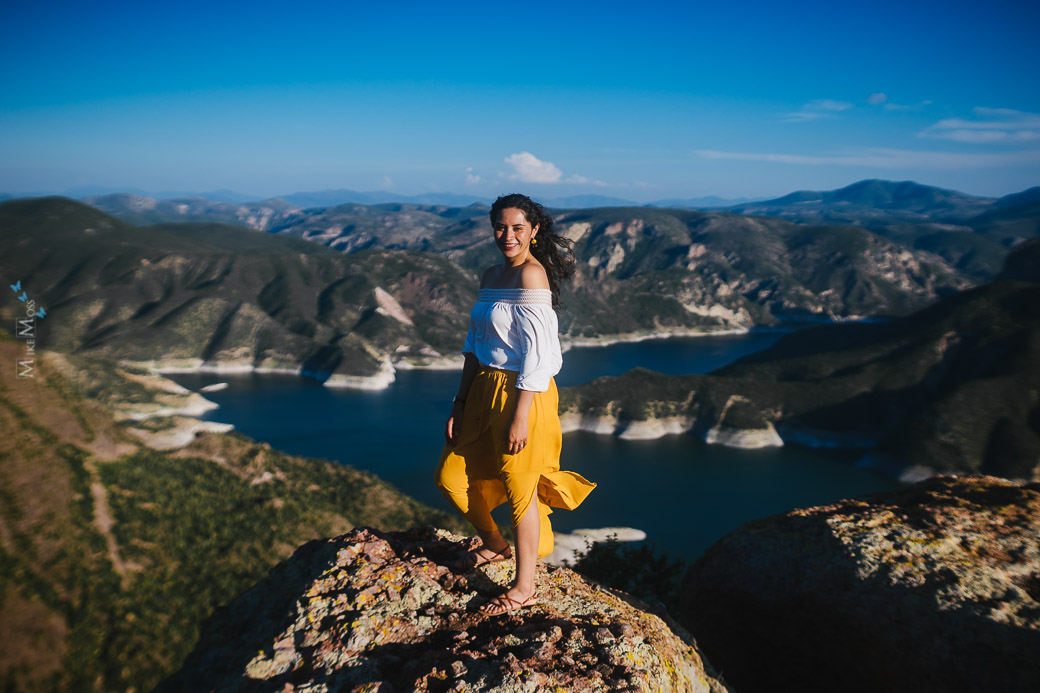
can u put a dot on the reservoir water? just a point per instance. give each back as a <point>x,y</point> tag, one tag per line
<point>683,493</point>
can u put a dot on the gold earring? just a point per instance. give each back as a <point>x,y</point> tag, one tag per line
<point>534,241</point>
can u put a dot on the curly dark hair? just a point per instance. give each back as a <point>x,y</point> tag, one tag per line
<point>552,249</point>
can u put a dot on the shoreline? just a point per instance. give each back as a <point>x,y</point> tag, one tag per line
<point>748,439</point>
<point>569,547</point>
<point>566,344</point>
<point>653,429</point>
<point>388,369</point>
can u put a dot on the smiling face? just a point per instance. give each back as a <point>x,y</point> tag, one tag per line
<point>513,233</point>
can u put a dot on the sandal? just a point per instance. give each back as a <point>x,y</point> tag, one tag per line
<point>503,604</point>
<point>474,559</point>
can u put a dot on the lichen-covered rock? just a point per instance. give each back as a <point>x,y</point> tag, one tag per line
<point>936,587</point>
<point>383,611</point>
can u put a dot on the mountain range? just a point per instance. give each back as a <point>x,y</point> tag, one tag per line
<point>865,196</point>
<point>339,196</point>
<point>461,235</point>
<point>969,232</point>
<point>347,294</point>
<point>950,388</point>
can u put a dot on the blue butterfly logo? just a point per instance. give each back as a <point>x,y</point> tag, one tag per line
<point>23,297</point>
<point>17,286</point>
<point>40,313</point>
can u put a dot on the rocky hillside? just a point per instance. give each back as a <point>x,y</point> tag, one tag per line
<point>951,388</point>
<point>142,211</point>
<point>113,552</point>
<point>970,233</point>
<point>400,290</point>
<point>226,297</point>
<point>745,270</point>
<point>973,234</point>
<point>645,269</point>
<point>378,611</point>
<point>935,588</point>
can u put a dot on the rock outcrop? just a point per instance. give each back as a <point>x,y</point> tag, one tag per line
<point>934,588</point>
<point>375,611</point>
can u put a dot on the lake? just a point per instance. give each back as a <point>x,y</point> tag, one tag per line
<point>683,493</point>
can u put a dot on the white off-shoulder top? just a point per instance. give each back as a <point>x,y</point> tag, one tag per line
<point>516,330</point>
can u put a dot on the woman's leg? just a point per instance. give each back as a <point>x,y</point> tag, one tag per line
<point>478,513</point>
<point>522,593</point>
<point>527,534</point>
<point>463,494</point>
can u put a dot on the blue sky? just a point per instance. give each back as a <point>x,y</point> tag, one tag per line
<point>643,101</point>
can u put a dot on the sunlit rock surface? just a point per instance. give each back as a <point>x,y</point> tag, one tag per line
<point>934,588</point>
<point>375,611</point>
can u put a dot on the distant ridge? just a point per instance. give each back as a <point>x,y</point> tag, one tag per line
<point>332,198</point>
<point>708,202</point>
<point>876,193</point>
<point>882,194</point>
<point>1025,197</point>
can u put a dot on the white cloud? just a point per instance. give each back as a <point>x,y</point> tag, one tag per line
<point>575,178</point>
<point>804,116</point>
<point>877,99</point>
<point>816,109</point>
<point>530,169</point>
<point>387,182</point>
<point>989,125</point>
<point>885,158</point>
<point>906,107</point>
<point>828,105</point>
<point>472,178</point>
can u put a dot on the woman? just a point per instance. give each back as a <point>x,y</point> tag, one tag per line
<point>503,437</point>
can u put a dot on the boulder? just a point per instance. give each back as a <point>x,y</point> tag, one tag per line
<point>384,611</point>
<point>932,588</point>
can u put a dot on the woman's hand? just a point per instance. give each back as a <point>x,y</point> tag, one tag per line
<point>516,439</point>
<point>517,435</point>
<point>454,425</point>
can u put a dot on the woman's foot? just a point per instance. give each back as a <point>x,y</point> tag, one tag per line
<point>478,557</point>
<point>510,601</point>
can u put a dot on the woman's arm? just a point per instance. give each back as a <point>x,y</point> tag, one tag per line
<point>532,277</point>
<point>454,424</point>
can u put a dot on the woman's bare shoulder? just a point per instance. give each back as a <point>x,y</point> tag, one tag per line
<point>533,276</point>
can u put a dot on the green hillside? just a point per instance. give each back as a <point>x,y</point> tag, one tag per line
<point>112,554</point>
<point>193,293</point>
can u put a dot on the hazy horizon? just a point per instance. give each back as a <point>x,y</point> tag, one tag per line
<point>240,197</point>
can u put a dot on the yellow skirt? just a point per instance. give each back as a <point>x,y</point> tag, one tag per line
<point>478,474</point>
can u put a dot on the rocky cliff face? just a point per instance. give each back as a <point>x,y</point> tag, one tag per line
<point>374,611</point>
<point>933,588</point>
